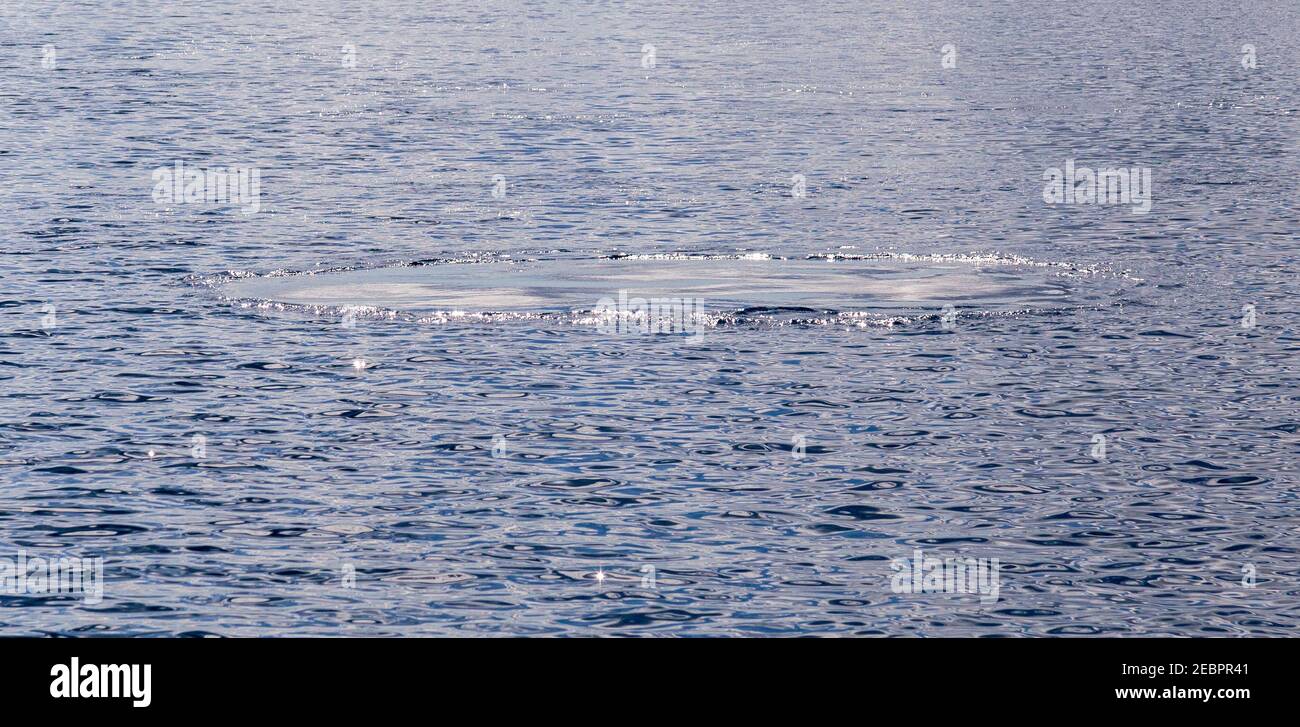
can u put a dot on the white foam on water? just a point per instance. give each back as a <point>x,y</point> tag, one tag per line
<point>880,287</point>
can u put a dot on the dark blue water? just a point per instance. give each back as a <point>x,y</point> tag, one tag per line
<point>402,474</point>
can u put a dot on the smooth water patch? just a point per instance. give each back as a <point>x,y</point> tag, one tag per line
<point>723,284</point>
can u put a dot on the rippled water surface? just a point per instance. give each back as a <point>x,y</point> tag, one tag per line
<point>409,428</point>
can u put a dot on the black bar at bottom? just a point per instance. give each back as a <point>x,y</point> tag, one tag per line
<point>304,677</point>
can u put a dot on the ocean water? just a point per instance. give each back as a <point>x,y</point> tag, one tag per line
<point>373,399</point>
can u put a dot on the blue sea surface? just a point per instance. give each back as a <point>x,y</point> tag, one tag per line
<point>247,464</point>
